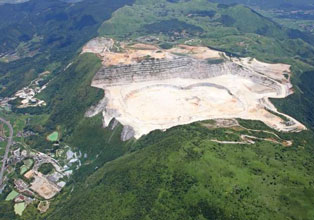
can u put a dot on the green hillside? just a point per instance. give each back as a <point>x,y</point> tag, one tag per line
<point>181,174</point>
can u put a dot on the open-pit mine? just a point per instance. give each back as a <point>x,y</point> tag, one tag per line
<point>148,88</point>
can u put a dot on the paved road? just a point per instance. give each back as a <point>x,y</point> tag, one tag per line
<point>7,149</point>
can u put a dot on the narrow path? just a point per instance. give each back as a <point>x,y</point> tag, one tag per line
<point>248,139</point>
<point>7,149</point>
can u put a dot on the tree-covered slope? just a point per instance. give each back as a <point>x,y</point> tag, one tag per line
<point>181,174</point>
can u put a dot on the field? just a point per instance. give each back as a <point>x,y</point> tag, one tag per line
<point>12,195</point>
<point>19,208</point>
<point>54,136</point>
<point>26,166</point>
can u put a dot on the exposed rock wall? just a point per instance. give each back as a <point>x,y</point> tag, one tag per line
<point>180,67</point>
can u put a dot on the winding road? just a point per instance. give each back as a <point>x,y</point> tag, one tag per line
<point>7,149</point>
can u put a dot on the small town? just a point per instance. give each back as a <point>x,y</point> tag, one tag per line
<point>40,178</point>
<point>34,177</point>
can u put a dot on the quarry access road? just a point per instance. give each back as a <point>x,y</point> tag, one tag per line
<point>7,149</point>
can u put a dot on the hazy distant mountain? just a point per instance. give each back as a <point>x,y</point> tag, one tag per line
<point>12,1</point>
<point>271,4</point>
<point>22,1</point>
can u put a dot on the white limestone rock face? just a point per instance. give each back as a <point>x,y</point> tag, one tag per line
<point>95,110</point>
<point>98,45</point>
<point>148,88</point>
<point>127,133</point>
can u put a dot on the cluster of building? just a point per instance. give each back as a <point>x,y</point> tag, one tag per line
<point>34,185</point>
<point>27,94</point>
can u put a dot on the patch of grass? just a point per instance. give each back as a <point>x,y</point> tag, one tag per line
<point>215,61</point>
<point>19,208</point>
<point>12,195</point>
<point>54,136</point>
<point>166,46</point>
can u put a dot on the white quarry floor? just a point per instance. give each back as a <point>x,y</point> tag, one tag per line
<point>163,104</point>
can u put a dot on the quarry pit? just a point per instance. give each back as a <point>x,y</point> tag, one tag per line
<point>148,88</point>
